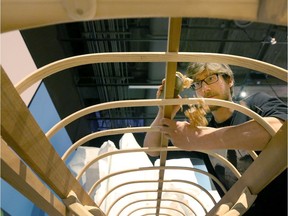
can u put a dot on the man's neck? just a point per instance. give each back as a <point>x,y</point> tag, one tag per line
<point>222,114</point>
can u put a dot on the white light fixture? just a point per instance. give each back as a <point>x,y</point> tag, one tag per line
<point>243,94</point>
<point>273,41</point>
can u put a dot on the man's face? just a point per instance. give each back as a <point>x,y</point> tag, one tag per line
<point>219,89</point>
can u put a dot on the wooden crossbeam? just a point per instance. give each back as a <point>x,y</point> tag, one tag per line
<point>22,133</point>
<point>18,175</point>
<point>268,10</point>
<point>22,15</point>
<point>174,34</point>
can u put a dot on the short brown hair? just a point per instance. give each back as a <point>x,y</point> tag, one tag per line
<point>196,68</point>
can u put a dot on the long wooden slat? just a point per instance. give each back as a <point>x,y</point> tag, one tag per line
<point>157,102</point>
<point>273,10</point>
<point>20,177</point>
<point>174,34</point>
<point>74,206</point>
<point>21,14</point>
<point>94,58</point>
<point>244,202</point>
<point>22,133</point>
<point>270,163</point>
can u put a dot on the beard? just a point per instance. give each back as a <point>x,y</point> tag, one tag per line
<point>214,108</point>
<point>223,96</point>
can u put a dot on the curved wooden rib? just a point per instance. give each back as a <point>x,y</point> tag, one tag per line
<point>66,63</point>
<point>252,154</point>
<point>108,132</point>
<point>272,132</point>
<point>155,191</point>
<point>157,168</point>
<point>159,102</point>
<point>153,200</point>
<point>104,133</point>
<point>114,132</point>
<point>162,207</point>
<point>153,181</point>
<point>153,214</point>
<point>146,149</point>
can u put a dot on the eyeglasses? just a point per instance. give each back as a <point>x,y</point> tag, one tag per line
<point>208,80</point>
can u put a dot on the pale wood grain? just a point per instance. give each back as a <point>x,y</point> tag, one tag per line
<point>22,133</point>
<point>19,176</point>
<point>74,61</point>
<point>21,14</point>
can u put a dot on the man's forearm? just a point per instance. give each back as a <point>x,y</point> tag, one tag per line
<point>247,136</point>
<point>153,139</point>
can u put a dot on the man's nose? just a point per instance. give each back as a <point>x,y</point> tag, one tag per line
<point>204,86</point>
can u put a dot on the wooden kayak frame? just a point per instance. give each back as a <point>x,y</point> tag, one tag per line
<point>30,164</point>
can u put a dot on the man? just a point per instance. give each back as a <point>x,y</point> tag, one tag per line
<point>213,80</point>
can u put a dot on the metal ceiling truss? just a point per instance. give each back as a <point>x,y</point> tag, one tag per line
<point>111,81</point>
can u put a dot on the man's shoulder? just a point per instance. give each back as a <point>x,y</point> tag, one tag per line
<point>258,97</point>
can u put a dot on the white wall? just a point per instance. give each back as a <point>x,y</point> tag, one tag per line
<point>17,61</point>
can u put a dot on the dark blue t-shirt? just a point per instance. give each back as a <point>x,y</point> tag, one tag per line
<point>274,196</point>
<point>261,103</point>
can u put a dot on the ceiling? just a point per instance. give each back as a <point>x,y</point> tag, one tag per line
<point>79,87</point>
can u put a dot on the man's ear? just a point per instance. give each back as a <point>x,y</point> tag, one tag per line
<point>230,82</point>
